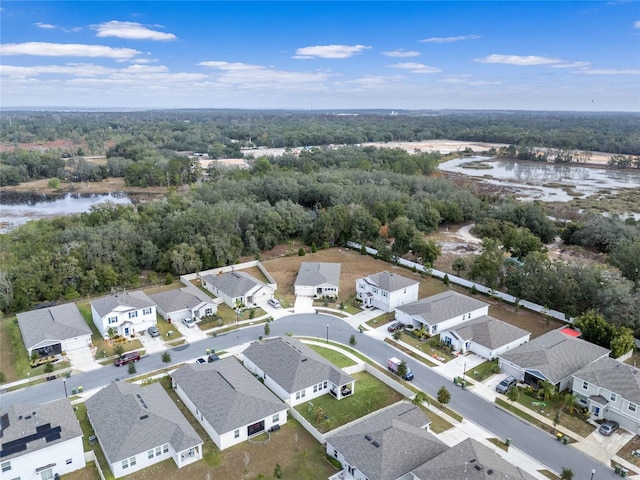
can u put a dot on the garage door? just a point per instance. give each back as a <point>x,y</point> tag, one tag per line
<point>76,343</point>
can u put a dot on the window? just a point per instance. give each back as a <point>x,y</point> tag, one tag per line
<point>297,395</point>
<point>69,461</point>
<point>208,311</point>
<point>146,311</point>
<point>125,463</point>
<point>165,448</point>
<point>585,385</point>
<point>133,314</point>
<point>6,466</point>
<point>158,451</point>
<point>335,453</point>
<point>325,384</point>
<point>132,461</point>
<point>112,320</point>
<point>304,393</point>
<point>385,294</point>
<point>613,397</point>
<point>315,388</point>
<point>360,286</point>
<point>275,418</point>
<point>236,434</point>
<point>374,289</point>
<point>150,454</point>
<point>582,401</point>
<point>632,407</point>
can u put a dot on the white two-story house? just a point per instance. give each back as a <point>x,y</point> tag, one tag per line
<point>386,290</point>
<point>123,313</point>
<point>610,390</point>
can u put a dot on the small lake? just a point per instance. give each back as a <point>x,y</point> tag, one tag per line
<point>542,181</point>
<point>17,209</point>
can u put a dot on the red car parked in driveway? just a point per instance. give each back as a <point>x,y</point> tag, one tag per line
<point>394,327</point>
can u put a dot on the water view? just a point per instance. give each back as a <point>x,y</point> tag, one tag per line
<point>16,211</point>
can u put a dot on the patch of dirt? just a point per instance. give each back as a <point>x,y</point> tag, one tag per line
<point>108,185</point>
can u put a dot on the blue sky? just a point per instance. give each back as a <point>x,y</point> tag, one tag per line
<point>552,55</point>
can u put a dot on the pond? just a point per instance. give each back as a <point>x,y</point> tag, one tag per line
<point>18,208</point>
<point>544,181</point>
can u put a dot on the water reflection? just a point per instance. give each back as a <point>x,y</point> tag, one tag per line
<point>17,209</point>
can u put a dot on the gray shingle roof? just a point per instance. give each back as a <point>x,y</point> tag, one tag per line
<point>180,299</point>
<point>55,323</point>
<point>129,419</point>
<point>293,365</point>
<point>314,274</point>
<point>401,444</point>
<point>441,307</point>
<point>389,282</point>
<point>227,394</point>
<point>126,300</point>
<point>19,422</point>
<point>555,355</point>
<point>489,332</point>
<point>470,460</point>
<point>614,376</point>
<point>233,284</point>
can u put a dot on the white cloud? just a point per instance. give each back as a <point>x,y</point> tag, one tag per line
<point>401,53</point>
<point>458,38</point>
<point>130,31</point>
<point>45,49</point>
<point>467,80</point>
<point>253,76</point>
<point>77,69</point>
<point>636,24</point>
<point>571,65</point>
<point>47,26</point>
<point>227,66</point>
<point>519,60</point>
<point>608,71</point>
<point>416,67</point>
<point>329,51</point>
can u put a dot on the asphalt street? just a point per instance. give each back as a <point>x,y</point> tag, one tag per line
<point>537,444</point>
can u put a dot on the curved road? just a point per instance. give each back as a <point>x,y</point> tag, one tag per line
<point>530,440</point>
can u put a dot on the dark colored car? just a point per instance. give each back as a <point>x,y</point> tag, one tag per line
<point>127,357</point>
<point>213,358</point>
<point>394,327</point>
<point>153,331</point>
<point>608,427</point>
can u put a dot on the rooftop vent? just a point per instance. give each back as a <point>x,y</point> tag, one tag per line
<point>367,437</point>
<point>489,472</point>
<point>477,467</point>
<point>375,444</point>
<point>304,359</point>
<point>142,417</point>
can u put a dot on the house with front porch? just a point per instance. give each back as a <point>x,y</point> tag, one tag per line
<point>231,404</point>
<point>294,372</point>
<point>441,312</point>
<point>485,336</point>
<point>318,280</point>
<point>610,390</point>
<point>123,313</point>
<point>554,357</point>
<point>386,445</point>
<point>40,441</point>
<point>187,302</point>
<point>238,288</point>
<point>53,330</point>
<point>386,290</point>
<point>140,426</point>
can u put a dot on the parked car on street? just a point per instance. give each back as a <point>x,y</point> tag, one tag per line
<point>504,386</point>
<point>394,327</point>
<point>153,331</point>
<point>189,322</point>
<point>608,427</point>
<point>127,357</point>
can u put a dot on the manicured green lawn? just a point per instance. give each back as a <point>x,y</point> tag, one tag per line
<point>337,358</point>
<point>381,320</point>
<point>483,371</point>
<point>326,413</point>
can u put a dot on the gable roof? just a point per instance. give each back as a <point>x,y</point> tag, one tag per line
<point>614,376</point>
<point>389,282</point>
<point>122,302</point>
<point>293,365</point>
<point>29,428</point>
<point>470,460</point>
<point>129,419</point>
<point>54,323</point>
<point>388,444</point>
<point>441,307</point>
<point>180,299</point>
<point>233,284</point>
<point>555,355</point>
<point>227,394</point>
<point>315,273</point>
<point>489,332</point>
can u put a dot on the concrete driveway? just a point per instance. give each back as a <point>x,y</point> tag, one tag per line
<point>303,305</point>
<point>82,359</point>
<point>604,448</point>
<point>152,344</point>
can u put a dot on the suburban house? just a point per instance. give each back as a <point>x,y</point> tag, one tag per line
<point>126,313</point>
<point>53,330</point>
<point>610,390</point>
<point>294,372</point>
<point>318,280</point>
<point>187,302</point>
<point>237,288</point>
<point>441,312</point>
<point>469,460</point>
<point>485,336</point>
<point>40,441</point>
<point>554,356</point>
<point>386,445</point>
<point>386,290</point>
<point>140,426</point>
<point>230,403</point>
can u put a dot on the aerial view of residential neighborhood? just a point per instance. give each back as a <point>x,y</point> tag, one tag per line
<point>319,240</point>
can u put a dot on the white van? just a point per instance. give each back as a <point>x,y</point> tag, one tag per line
<point>274,303</point>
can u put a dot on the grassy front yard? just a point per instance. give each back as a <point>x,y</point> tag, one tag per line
<point>483,371</point>
<point>337,358</point>
<point>326,413</point>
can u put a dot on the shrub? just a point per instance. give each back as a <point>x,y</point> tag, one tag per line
<point>54,183</point>
<point>301,252</point>
<point>473,290</point>
<point>168,280</point>
<point>314,249</point>
<point>48,368</point>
